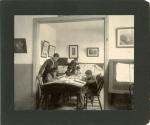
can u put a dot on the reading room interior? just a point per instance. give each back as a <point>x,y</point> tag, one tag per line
<point>74,62</point>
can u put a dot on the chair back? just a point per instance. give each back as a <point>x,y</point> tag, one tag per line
<point>39,84</point>
<point>39,81</point>
<point>39,91</point>
<point>100,82</point>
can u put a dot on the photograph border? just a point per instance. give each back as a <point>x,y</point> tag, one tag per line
<point>139,116</point>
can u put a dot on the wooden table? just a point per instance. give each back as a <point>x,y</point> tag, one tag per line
<point>65,86</point>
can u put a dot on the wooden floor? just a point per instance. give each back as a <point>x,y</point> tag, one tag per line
<point>29,103</point>
<point>71,105</point>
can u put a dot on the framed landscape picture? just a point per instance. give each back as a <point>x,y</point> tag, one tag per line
<point>93,52</point>
<point>44,49</point>
<point>51,50</point>
<point>73,51</point>
<point>125,37</point>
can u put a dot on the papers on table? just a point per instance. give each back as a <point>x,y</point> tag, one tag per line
<point>80,81</point>
<point>124,72</point>
<point>68,80</point>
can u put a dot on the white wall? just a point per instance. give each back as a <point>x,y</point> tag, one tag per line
<point>84,38</point>
<point>23,28</point>
<point>113,23</point>
<point>23,64</point>
<point>46,32</point>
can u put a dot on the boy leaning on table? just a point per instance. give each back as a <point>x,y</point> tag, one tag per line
<point>47,69</point>
<point>88,88</point>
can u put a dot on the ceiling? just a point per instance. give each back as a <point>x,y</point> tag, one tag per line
<point>80,25</point>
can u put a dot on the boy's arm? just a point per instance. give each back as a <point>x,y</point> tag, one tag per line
<point>42,68</point>
<point>93,80</point>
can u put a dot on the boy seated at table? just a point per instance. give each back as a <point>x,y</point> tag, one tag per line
<point>77,71</point>
<point>72,67</point>
<point>88,88</point>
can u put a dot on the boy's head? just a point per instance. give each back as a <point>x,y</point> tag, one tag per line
<point>76,59</point>
<point>78,67</point>
<point>88,73</point>
<point>55,57</point>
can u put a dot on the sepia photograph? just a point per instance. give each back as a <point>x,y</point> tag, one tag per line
<point>74,62</point>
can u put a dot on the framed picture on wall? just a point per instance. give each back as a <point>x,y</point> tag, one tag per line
<point>44,49</point>
<point>20,45</point>
<point>125,37</point>
<point>73,51</point>
<point>51,50</point>
<point>93,52</point>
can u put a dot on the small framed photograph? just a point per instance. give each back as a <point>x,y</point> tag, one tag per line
<point>51,50</point>
<point>44,49</point>
<point>92,52</point>
<point>125,37</point>
<point>20,45</point>
<point>73,51</point>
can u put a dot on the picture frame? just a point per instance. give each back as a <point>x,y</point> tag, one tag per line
<point>93,52</point>
<point>51,50</point>
<point>73,51</point>
<point>125,37</point>
<point>20,45</point>
<point>44,48</point>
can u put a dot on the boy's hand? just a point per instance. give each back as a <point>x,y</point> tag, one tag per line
<point>38,76</point>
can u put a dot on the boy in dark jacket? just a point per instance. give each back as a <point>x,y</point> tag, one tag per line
<point>88,88</point>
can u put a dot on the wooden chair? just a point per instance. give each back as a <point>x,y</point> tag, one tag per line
<point>96,93</point>
<point>42,97</point>
<point>131,88</point>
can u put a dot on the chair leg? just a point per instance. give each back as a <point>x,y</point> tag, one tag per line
<point>44,101</point>
<point>49,101</point>
<point>85,102</point>
<point>92,100</point>
<point>39,102</point>
<point>86,99</point>
<point>77,106</point>
<point>99,102</point>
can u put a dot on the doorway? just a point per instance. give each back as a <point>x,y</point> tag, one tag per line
<point>77,23</point>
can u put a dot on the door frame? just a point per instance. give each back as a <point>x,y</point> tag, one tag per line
<point>60,19</point>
